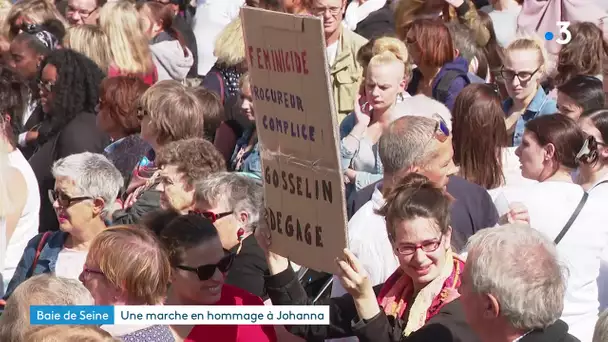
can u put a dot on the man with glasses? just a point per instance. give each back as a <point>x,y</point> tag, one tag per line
<point>421,144</point>
<point>81,12</point>
<point>342,46</point>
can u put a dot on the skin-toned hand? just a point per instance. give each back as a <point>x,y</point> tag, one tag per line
<point>31,136</point>
<point>362,112</point>
<point>518,213</point>
<point>355,280</point>
<point>276,263</point>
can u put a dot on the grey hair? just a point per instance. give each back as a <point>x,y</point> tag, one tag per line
<point>406,143</point>
<point>43,289</point>
<point>235,191</point>
<point>530,286</point>
<point>601,328</point>
<point>463,40</point>
<point>93,174</point>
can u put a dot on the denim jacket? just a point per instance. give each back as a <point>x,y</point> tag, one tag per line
<point>251,164</point>
<point>46,261</point>
<point>540,105</point>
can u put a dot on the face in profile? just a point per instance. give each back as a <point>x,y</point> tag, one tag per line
<point>98,285</point>
<point>421,249</point>
<point>247,103</point>
<point>568,107</point>
<point>48,79</point>
<point>522,73</point>
<point>74,210</point>
<point>439,168</point>
<point>176,193</point>
<point>24,60</point>
<point>531,157</point>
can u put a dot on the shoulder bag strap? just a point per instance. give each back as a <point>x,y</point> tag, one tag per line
<point>577,211</point>
<point>38,251</point>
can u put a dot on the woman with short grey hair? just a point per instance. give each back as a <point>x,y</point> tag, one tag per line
<point>233,202</point>
<point>86,187</point>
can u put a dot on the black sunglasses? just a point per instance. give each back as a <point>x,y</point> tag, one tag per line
<point>205,272</point>
<point>64,200</point>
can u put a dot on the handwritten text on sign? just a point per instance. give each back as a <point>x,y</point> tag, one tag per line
<point>297,130</point>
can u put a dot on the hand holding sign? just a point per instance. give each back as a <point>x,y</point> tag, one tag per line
<point>356,282</point>
<point>276,263</point>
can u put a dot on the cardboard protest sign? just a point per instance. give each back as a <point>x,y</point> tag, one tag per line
<point>297,130</point>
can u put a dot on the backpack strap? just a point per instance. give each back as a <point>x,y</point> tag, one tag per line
<point>41,243</point>
<point>441,92</point>
<point>577,211</point>
<point>220,79</point>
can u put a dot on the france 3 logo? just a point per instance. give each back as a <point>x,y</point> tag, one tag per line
<point>564,37</point>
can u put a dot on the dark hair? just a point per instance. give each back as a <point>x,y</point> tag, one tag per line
<point>412,197</point>
<point>586,91</point>
<point>157,220</point>
<point>13,101</point>
<point>479,133</point>
<point>599,118</point>
<point>271,5</point>
<point>584,54</point>
<point>563,133</point>
<point>433,40</point>
<point>119,96</point>
<point>76,90</point>
<point>185,232</point>
<point>196,158</point>
<point>163,15</point>
<point>365,53</point>
<point>214,111</point>
<point>29,35</point>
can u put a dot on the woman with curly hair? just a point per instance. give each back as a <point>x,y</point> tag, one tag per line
<point>69,92</point>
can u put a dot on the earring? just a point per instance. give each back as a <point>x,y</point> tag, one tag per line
<point>239,234</point>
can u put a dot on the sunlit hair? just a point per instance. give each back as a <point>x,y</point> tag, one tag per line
<point>163,16</point>
<point>585,54</point>
<point>128,43</point>
<point>230,44</point>
<point>600,334</point>
<point>530,43</point>
<point>68,333</point>
<point>91,41</point>
<point>133,260</point>
<point>388,50</point>
<point>479,134</point>
<point>433,41</point>
<point>493,51</point>
<point>415,196</point>
<point>119,96</point>
<point>36,12</point>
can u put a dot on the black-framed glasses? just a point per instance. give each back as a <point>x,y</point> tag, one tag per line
<point>64,200</point>
<point>209,215</point>
<point>205,272</point>
<point>426,246</point>
<point>82,13</point>
<point>46,85</point>
<point>522,76</point>
<point>442,131</point>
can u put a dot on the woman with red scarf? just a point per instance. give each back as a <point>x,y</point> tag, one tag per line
<point>418,302</point>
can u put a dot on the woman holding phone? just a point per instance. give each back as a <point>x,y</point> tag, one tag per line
<point>386,77</point>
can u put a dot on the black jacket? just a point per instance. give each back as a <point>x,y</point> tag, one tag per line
<point>446,326</point>
<point>379,23</point>
<point>249,268</point>
<point>556,332</point>
<point>79,135</point>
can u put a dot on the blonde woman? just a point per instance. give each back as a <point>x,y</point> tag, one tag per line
<point>29,12</point>
<point>129,47</point>
<point>90,41</point>
<point>524,65</point>
<point>386,77</point>
<point>464,11</point>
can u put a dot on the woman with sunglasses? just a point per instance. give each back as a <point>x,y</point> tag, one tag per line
<point>127,265</point>
<point>553,147</point>
<point>69,92</point>
<point>418,301</point>
<point>86,186</point>
<point>199,265</point>
<point>524,67</point>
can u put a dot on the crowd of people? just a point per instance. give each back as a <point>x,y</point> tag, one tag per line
<point>473,151</point>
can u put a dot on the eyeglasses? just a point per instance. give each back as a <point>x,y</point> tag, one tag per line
<point>141,113</point>
<point>205,272</point>
<point>209,215</point>
<point>64,200</point>
<point>319,11</point>
<point>82,13</point>
<point>88,271</point>
<point>522,76</point>
<point>46,85</point>
<point>427,247</point>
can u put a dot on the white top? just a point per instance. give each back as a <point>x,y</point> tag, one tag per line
<point>511,169</point>
<point>504,22</point>
<point>600,192</point>
<point>27,227</point>
<point>2,251</point>
<point>356,12</point>
<point>368,241</point>
<point>332,52</point>
<point>550,205</point>
<point>70,263</point>
<point>210,19</point>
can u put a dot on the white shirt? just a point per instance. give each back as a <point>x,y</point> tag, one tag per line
<point>210,19</point>
<point>27,227</point>
<point>70,263</point>
<point>505,23</point>
<point>332,52</point>
<point>356,12</point>
<point>550,205</point>
<point>601,193</point>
